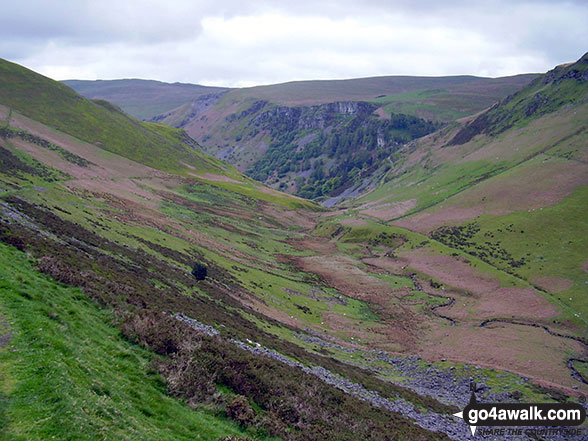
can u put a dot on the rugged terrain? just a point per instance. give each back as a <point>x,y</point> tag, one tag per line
<point>318,138</point>
<point>467,262</point>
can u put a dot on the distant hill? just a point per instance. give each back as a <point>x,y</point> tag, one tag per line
<point>564,85</point>
<point>307,137</point>
<point>240,126</point>
<point>142,99</point>
<point>433,98</point>
<point>546,117</point>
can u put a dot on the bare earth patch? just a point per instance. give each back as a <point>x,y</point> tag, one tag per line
<point>214,177</point>
<point>553,284</point>
<point>391,210</point>
<point>355,221</point>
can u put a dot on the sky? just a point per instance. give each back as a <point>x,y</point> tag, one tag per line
<point>240,43</point>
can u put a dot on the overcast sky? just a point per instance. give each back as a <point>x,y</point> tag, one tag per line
<point>249,42</point>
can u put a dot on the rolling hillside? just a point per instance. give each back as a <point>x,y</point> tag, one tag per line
<point>98,122</point>
<point>106,282</point>
<point>143,99</point>
<point>310,138</point>
<point>187,301</point>
<point>318,138</point>
<point>508,187</point>
<point>482,92</point>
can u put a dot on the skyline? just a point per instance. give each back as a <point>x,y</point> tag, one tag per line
<point>234,44</point>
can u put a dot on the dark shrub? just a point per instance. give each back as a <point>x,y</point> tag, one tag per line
<point>199,271</point>
<point>60,271</point>
<point>239,410</point>
<point>186,378</point>
<point>154,330</point>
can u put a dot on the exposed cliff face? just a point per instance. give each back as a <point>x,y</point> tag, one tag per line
<point>311,117</point>
<point>320,150</point>
<point>316,139</point>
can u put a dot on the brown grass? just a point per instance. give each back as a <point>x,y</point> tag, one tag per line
<point>214,177</point>
<point>553,284</point>
<point>107,165</point>
<point>391,210</point>
<point>400,324</point>
<point>451,271</point>
<point>536,185</point>
<point>520,349</point>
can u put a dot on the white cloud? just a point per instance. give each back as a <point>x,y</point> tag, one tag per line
<point>244,43</point>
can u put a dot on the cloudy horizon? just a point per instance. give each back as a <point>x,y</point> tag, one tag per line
<point>234,43</point>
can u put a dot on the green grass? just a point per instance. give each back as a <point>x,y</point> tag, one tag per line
<point>143,99</point>
<point>434,104</point>
<point>254,191</point>
<point>432,186</point>
<point>562,86</point>
<point>67,374</point>
<point>550,240</point>
<point>97,122</point>
<point>582,368</point>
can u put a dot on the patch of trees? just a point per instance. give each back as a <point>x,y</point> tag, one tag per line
<point>464,238</point>
<point>335,150</point>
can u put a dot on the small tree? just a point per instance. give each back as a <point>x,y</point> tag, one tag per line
<point>199,271</point>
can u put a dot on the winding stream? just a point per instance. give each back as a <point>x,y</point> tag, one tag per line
<point>577,375</point>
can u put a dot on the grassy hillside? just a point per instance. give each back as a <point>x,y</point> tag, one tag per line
<point>316,120</point>
<point>449,102</point>
<point>130,245</point>
<point>309,324</point>
<point>142,99</point>
<point>62,353</point>
<point>97,122</point>
<point>235,127</point>
<point>564,85</point>
<point>514,195</point>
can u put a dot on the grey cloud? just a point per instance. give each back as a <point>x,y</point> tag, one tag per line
<point>167,41</point>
